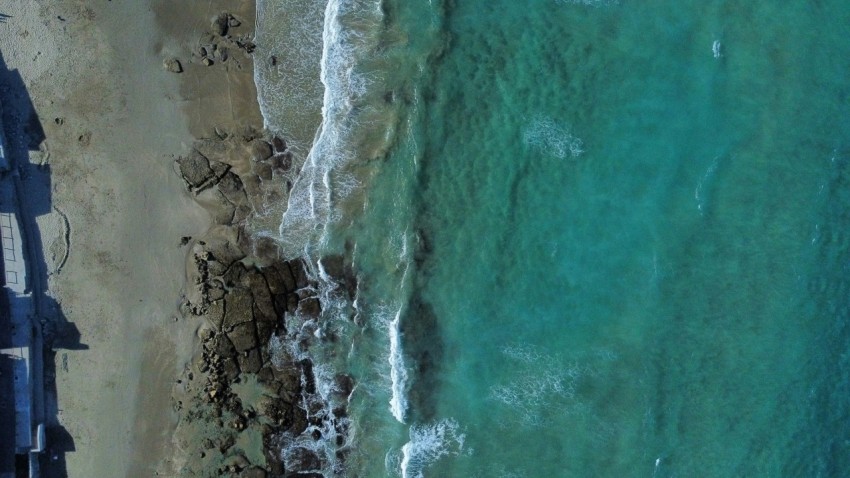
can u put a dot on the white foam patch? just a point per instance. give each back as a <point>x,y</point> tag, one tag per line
<point>699,192</point>
<point>398,373</point>
<point>429,443</point>
<point>552,138</point>
<point>545,383</point>
<point>290,91</point>
<point>321,182</point>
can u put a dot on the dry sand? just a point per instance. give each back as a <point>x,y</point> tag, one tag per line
<point>114,119</point>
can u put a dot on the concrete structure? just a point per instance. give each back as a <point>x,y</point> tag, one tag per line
<point>21,349</point>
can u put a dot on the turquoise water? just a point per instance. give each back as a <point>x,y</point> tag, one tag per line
<point>593,238</point>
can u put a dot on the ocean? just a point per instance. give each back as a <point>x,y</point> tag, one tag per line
<point>591,238</point>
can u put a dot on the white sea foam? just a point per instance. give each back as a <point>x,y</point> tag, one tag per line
<point>553,139</point>
<point>290,91</point>
<point>398,374</point>
<point>704,181</point>
<point>428,443</point>
<point>544,382</point>
<point>321,182</point>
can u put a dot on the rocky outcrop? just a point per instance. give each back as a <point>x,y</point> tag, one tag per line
<point>242,291</point>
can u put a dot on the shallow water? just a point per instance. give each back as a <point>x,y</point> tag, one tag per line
<point>593,238</point>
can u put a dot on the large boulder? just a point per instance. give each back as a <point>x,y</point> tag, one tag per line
<point>215,312</point>
<point>196,170</point>
<point>238,308</point>
<point>302,459</point>
<point>299,271</point>
<point>224,347</point>
<point>243,336</point>
<point>280,278</point>
<point>250,362</point>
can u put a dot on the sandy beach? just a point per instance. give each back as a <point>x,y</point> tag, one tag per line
<point>114,120</point>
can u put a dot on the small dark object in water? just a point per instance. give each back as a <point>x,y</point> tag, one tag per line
<point>279,144</point>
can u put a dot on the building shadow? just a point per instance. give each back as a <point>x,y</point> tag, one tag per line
<point>4,17</point>
<point>52,332</point>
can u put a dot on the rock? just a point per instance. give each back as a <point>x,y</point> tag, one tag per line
<point>232,188</point>
<point>241,213</point>
<point>254,472</point>
<point>267,250</point>
<point>195,169</point>
<point>221,54</point>
<point>299,272</point>
<point>244,336</point>
<point>265,375</point>
<point>292,303</point>
<point>265,330</point>
<point>224,347</point>
<point>299,421</point>
<point>282,163</point>
<point>217,205</point>
<point>230,369</point>
<point>280,278</point>
<point>250,363</point>
<point>215,313</point>
<point>238,308</point>
<point>173,65</point>
<point>216,268</point>
<point>221,24</point>
<point>310,307</point>
<point>219,169</point>
<point>279,144</point>
<point>276,410</point>
<point>225,252</point>
<point>341,272</point>
<point>260,150</point>
<point>343,385</point>
<point>234,274</point>
<point>215,292</point>
<point>302,459</point>
<point>264,171</point>
<point>233,22</point>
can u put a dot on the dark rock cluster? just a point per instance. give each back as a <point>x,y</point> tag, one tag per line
<point>241,287</point>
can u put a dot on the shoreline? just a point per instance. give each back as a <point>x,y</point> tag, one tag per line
<point>149,381</point>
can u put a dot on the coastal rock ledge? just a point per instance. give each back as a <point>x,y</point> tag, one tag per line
<point>248,384</point>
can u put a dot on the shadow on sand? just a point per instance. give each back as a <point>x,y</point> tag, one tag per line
<point>24,134</point>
